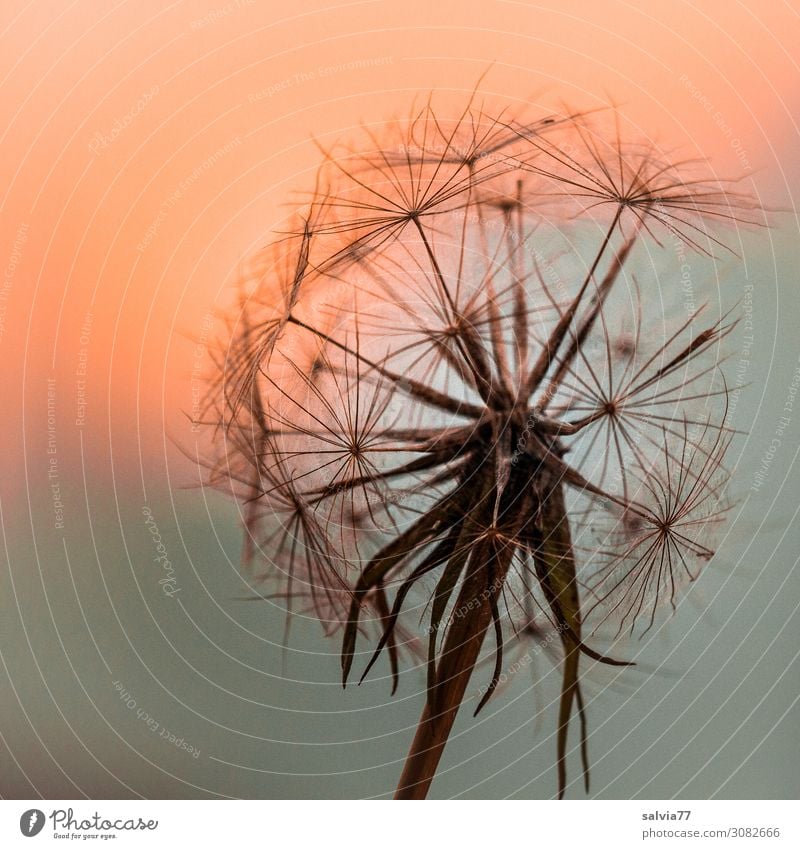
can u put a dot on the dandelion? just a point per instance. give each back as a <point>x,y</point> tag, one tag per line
<point>453,419</point>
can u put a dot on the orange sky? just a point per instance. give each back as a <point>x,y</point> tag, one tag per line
<point>149,146</point>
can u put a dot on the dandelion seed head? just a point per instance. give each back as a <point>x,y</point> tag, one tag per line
<point>450,408</point>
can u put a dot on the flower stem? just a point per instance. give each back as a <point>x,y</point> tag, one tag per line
<point>459,655</point>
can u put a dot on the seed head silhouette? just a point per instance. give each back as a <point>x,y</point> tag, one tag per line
<point>460,412</point>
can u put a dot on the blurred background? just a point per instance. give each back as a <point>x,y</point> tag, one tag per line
<point>147,148</point>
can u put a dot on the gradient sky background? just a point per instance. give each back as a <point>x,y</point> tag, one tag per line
<point>116,247</point>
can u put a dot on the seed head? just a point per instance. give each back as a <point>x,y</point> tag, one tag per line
<point>452,411</point>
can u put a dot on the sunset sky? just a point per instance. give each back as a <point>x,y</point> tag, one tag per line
<point>147,149</point>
